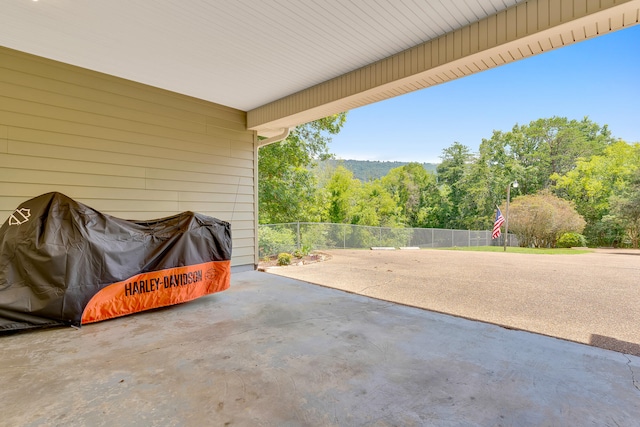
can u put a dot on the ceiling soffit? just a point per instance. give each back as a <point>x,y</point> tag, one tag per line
<point>524,30</point>
<point>240,53</point>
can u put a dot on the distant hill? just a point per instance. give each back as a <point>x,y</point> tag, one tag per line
<point>369,170</point>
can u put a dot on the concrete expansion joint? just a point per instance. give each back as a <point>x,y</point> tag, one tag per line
<point>633,376</point>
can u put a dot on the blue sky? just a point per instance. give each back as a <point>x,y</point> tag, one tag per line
<point>598,78</point>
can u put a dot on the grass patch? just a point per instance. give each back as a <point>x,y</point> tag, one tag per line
<point>555,251</point>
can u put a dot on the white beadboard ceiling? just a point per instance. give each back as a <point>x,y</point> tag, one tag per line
<point>238,53</point>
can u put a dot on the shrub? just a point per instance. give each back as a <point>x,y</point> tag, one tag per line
<point>284,258</point>
<point>273,240</point>
<point>302,252</point>
<point>571,240</point>
<point>538,220</point>
<point>396,237</point>
<point>316,236</point>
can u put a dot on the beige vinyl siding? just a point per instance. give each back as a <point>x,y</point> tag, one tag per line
<point>126,149</point>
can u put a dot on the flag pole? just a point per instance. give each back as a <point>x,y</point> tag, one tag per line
<point>506,218</point>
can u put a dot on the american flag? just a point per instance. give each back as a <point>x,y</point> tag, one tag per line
<point>496,225</point>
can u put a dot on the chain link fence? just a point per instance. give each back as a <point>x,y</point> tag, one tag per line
<point>307,236</point>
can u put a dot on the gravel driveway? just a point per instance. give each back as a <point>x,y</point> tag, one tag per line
<point>589,298</point>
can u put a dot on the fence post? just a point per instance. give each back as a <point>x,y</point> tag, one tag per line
<point>432,236</point>
<point>298,247</point>
<point>469,237</point>
<point>344,236</point>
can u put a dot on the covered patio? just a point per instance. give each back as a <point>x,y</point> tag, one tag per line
<point>146,110</point>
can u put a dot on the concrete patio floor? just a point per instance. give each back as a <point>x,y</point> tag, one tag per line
<point>275,351</point>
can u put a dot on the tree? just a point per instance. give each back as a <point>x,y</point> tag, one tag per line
<point>484,186</point>
<point>416,193</point>
<point>342,190</point>
<point>592,184</point>
<point>545,148</point>
<point>625,210</point>
<point>456,162</point>
<point>531,154</point>
<point>287,189</point>
<point>374,206</point>
<point>539,220</point>
<point>558,143</point>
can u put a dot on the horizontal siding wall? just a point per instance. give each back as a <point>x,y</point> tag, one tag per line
<point>126,149</point>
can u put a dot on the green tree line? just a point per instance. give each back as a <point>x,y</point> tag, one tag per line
<point>368,170</point>
<point>576,161</point>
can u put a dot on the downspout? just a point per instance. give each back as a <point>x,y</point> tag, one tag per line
<point>261,143</point>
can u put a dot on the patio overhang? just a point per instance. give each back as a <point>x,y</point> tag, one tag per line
<point>526,29</point>
<point>288,63</point>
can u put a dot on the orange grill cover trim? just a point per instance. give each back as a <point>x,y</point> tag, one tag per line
<point>158,289</point>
